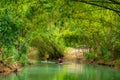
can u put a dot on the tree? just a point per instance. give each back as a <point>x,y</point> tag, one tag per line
<point>113,5</point>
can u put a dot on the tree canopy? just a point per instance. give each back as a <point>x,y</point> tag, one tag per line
<point>53,25</point>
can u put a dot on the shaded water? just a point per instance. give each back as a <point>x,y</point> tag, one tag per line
<point>67,71</point>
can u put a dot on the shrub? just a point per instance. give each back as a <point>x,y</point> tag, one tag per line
<point>118,61</point>
<point>91,55</point>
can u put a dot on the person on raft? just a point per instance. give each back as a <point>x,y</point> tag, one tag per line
<point>60,60</point>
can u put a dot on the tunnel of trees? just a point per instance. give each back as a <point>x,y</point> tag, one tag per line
<point>53,25</point>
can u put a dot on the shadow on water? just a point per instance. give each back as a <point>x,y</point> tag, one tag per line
<point>66,71</point>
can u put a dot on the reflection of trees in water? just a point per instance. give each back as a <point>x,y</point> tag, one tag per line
<point>67,71</point>
<point>74,67</point>
<point>76,71</point>
<point>14,76</point>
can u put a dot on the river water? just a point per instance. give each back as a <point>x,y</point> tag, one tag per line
<point>66,71</point>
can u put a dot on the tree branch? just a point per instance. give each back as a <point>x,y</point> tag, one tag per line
<point>106,7</point>
<point>108,2</point>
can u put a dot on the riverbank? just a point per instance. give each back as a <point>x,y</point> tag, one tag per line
<point>5,68</point>
<point>8,68</point>
<point>103,63</point>
<point>77,54</point>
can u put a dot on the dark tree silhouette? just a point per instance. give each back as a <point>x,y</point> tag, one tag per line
<point>113,5</point>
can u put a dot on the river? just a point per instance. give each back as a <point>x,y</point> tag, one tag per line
<point>66,71</point>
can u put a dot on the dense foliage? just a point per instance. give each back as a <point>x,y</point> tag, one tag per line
<point>53,25</point>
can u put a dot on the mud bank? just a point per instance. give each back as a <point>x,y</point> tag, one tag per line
<point>6,69</point>
<point>104,63</point>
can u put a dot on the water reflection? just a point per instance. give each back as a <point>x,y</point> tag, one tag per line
<point>75,68</point>
<point>67,71</point>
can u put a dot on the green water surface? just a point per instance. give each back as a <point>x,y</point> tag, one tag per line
<point>66,71</point>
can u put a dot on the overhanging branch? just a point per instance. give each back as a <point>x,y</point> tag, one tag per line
<point>96,3</point>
